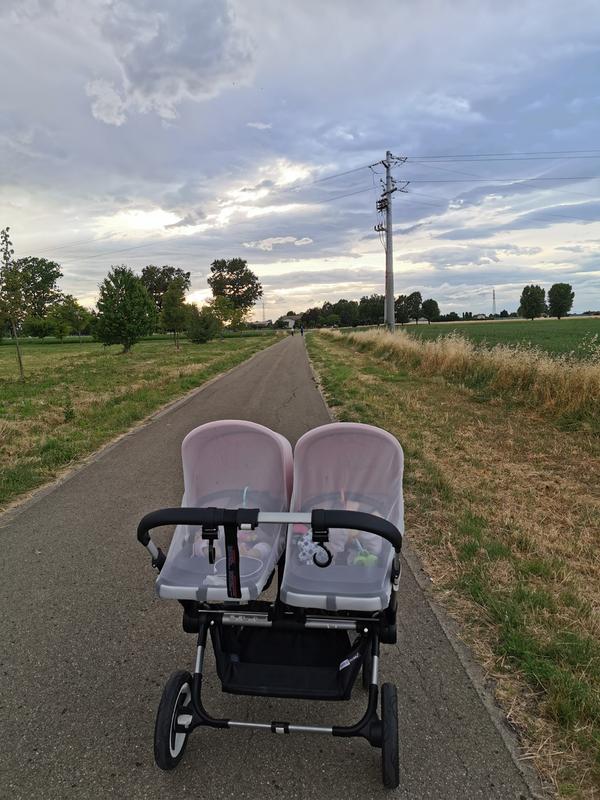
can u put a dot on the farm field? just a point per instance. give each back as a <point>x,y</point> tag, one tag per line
<point>552,335</point>
<point>502,507</point>
<point>76,397</point>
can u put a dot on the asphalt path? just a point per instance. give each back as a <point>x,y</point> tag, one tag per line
<point>85,647</point>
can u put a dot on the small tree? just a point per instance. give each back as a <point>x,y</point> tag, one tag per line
<point>39,278</point>
<point>201,326</point>
<point>560,299</point>
<point>413,306</point>
<point>430,310</point>
<point>533,302</point>
<point>233,279</point>
<point>39,327</point>
<point>401,309</point>
<point>173,309</point>
<point>126,312</point>
<point>11,292</point>
<point>69,312</point>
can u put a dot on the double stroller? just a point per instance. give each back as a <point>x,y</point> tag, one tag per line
<point>329,522</point>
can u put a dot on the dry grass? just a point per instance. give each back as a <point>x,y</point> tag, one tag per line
<point>504,509</point>
<point>560,384</point>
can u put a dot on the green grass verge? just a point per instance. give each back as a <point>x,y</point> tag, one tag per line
<point>75,399</point>
<point>517,565</point>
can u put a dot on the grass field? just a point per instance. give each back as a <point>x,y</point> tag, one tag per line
<point>552,335</point>
<point>504,510</point>
<point>77,397</point>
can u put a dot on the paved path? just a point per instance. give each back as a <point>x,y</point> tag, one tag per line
<point>86,648</point>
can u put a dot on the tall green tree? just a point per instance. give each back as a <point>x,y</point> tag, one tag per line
<point>401,309</point>
<point>173,312</point>
<point>233,279</point>
<point>39,281</point>
<point>414,302</point>
<point>533,302</point>
<point>11,293</point>
<point>430,310</point>
<point>126,312</point>
<point>370,309</point>
<point>158,279</point>
<point>560,299</point>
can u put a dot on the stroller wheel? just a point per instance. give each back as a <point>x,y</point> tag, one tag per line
<point>169,745</point>
<point>390,759</point>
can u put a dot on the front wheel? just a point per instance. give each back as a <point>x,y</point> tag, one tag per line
<point>169,744</point>
<point>390,757</point>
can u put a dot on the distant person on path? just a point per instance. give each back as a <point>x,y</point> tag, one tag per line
<point>301,329</point>
<point>292,330</point>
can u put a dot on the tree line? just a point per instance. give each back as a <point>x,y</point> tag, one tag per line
<point>129,306</point>
<point>369,310</point>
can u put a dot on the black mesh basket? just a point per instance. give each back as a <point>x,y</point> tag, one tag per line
<point>308,664</point>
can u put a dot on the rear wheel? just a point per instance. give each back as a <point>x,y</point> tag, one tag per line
<point>169,744</point>
<point>390,757</point>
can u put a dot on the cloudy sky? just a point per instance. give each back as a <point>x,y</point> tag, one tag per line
<point>180,131</point>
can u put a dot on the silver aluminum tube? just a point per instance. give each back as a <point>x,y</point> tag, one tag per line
<point>199,660</point>
<point>266,726</point>
<point>152,549</point>
<point>233,724</point>
<point>261,621</point>
<point>309,729</point>
<point>374,669</point>
<point>274,517</point>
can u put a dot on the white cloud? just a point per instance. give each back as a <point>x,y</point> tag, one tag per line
<point>260,126</point>
<point>270,242</point>
<point>107,105</point>
<point>192,52</point>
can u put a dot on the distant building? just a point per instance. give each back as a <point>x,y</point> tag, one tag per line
<point>480,316</point>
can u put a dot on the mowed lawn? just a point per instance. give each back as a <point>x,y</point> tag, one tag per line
<point>554,336</point>
<point>76,397</point>
<point>503,507</point>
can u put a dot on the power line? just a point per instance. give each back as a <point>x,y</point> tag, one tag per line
<point>495,180</point>
<point>522,153</point>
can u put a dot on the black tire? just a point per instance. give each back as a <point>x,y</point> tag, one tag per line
<point>390,756</point>
<point>169,747</point>
<point>367,668</point>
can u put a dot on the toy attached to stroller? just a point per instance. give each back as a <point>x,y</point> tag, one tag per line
<point>335,546</point>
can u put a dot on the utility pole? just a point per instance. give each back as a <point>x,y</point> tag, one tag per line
<point>494,302</point>
<point>385,204</point>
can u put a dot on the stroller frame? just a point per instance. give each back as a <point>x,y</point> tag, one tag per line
<point>182,705</point>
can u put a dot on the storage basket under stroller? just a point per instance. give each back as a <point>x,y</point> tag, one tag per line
<point>336,555</point>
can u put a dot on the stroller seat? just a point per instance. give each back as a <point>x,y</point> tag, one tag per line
<point>353,467</point>
<point>230,464</point>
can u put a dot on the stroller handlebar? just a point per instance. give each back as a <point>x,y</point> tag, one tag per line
<point>319,520</point>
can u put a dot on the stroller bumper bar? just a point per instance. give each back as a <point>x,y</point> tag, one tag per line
<point>320,520</point>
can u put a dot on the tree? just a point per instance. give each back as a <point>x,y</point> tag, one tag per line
<point>126,312</point>
<point>504,313</point>
<point>533,302</point>
<point>413,306</point>
<point>67,311</point>
<point>401,310</point>
<point>201,326</point>
<point>39,278</point>
<point>560,299</point>
<point>370,309</point>
<point>11,292</point>
<point>158,279</point>
<point>430,310</point>
<point>39,327</point>
<point>232,278</point>
<point>226,312</point>
<point>173,314</point>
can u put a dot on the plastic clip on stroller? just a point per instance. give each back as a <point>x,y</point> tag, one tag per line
<point>313,639</point>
